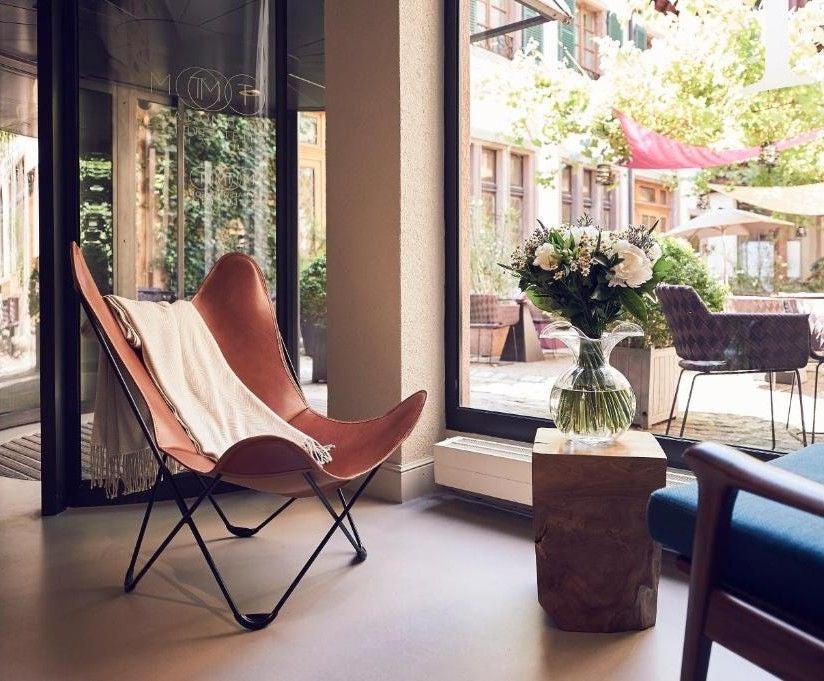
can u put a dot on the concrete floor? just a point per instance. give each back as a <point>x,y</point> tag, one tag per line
<point>448,592</point>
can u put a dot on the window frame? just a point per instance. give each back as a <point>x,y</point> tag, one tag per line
<point>458,417</point>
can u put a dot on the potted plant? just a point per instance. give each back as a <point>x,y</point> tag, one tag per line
<point>650,362</point>
<point>313,315</point>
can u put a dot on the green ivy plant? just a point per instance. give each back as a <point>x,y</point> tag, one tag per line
<point>685,267</point>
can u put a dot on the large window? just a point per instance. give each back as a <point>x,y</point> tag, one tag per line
<point>530,139</point>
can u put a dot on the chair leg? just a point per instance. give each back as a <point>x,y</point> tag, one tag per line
<point>360,550</point>
<point>687,409</point>
<point>251,621</point>
<point>674,400</point>
<point>790,407</point>
<point>245,531</point>
<point>815,401</point>
<point>349,516</point>
<point>772,409</point>
<point>801,407</point>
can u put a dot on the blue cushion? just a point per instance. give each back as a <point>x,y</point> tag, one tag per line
<point>775,553</point>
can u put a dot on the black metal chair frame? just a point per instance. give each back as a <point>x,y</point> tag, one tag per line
<point>770,373</point>
<point>818,364</point>
<point>250,621</point>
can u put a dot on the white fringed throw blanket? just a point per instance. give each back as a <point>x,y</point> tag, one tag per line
<point>213,405</point>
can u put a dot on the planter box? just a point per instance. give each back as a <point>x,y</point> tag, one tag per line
<point>653,374</point>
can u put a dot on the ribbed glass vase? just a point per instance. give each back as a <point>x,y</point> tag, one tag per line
<point>591,402</point>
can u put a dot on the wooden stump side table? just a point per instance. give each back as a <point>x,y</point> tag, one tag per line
<point>597,566</point>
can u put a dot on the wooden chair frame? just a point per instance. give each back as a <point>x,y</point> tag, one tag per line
<point>715,612</point>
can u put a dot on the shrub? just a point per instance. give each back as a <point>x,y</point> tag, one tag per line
<point>313,292</point>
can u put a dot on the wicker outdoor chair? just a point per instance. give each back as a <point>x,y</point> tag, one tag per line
<point>487,314</point>
<point>237,309</point>
<point>718,343</point>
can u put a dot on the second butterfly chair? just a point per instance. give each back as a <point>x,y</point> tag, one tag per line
<point>235,305</point>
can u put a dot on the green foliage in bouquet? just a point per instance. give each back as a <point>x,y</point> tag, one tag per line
<point>589,276</point>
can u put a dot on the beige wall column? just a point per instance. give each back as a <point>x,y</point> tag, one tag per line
<point>385,235</point>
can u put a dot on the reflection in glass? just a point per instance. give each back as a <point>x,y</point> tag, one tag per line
<point>177,147</point>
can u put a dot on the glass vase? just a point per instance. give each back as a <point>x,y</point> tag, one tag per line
<point>591,402</point>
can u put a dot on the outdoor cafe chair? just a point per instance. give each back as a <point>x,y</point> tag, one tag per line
<point>237,309</point>
<point>718,343</point>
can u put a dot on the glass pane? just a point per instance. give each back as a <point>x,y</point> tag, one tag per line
<point>19,233</point>
<point>177,148</point>
<point>489,165</point>
<point>586,186</point>
<point>770,265</point>
<point>566,179</point>
<point>516,170</point>
<point>312,255</point>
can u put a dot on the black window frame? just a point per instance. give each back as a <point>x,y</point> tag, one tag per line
<point>459,417</point>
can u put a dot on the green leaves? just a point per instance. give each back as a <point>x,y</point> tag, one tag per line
<point>633,302</point>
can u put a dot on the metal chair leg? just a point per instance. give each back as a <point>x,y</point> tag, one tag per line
<point>356,543</point>
<point>790,407</point>
<point>687,409</point>
<point>674,400</point>
<point>801,407</point>
<point>349,516</point>
<point>772,409</point>
<point>244,531</point>
<point>251,621</point>
<point>815,401</point>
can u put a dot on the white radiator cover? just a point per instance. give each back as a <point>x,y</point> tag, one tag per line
<point>494,469</point>
<point>499,470</point>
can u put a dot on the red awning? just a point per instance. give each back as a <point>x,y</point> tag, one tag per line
<point>651,150</point>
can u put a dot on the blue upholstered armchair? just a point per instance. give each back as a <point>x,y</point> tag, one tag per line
<point>751,536</point>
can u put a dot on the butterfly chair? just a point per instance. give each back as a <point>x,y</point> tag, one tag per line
<point>235,305</point>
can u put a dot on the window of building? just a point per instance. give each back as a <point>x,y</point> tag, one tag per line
<point>492,14</point>
<point>652,203</point>
<point>590,24</point>
<point>608,215</point>
<point>517,166</point>
<point>489,183</point>
<point>566,193</point>
<point>587,182</point>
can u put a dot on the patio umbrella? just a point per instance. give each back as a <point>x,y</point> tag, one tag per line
<point>727,222</point>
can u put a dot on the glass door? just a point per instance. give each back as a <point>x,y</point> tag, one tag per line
<point>19,240</point>
<point>177,151</point>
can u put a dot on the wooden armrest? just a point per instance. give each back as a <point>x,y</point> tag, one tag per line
<point>718,466</point>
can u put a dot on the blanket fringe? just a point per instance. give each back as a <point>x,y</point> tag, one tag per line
<point>123,472</point>
<point>320,453</point>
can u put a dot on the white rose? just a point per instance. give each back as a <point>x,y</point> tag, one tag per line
<point>635,267</point>
<point>654,252</point>
<point>546,257</point>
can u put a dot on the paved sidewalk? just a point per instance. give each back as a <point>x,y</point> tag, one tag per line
<point>732,409</point>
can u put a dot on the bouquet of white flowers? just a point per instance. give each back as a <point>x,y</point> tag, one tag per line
<point>592,278</point>
<point>587,275</point>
